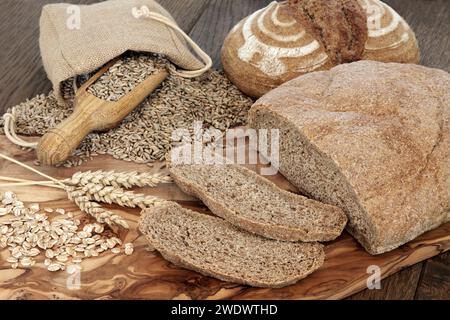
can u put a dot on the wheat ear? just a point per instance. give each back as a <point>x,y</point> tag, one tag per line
<point>118,196</point>
<point>118,179</point>
<point>92,208</point>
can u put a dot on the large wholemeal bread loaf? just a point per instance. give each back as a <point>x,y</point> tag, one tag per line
<point>216,248</point>
<point>257,205</point>
<point>372,138</point>
<point>288,39</point>
<point>339,25</point>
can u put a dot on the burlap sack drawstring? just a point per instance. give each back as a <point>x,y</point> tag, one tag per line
<point>10,119</point>
<point>205,57</point>
<point>10,131</point>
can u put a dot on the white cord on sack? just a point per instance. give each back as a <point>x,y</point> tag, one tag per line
<point>10,132</point>
<point>203,55</point>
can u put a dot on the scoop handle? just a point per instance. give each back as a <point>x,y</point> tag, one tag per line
<point>92,114</point>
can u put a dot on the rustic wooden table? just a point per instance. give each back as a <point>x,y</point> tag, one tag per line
<point>207,22</point>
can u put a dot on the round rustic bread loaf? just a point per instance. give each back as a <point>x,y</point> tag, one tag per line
<point>272,45</point>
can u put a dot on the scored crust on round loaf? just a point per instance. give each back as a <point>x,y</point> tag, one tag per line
<point>257,205</point>
<point>216,248</point>
<point>371,138</point>
<point>269,47</point>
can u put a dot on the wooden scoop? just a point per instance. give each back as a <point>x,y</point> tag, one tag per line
<point>92,114</point>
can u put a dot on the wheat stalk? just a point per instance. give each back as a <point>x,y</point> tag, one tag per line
<point>117,179</point>
<point>92,208</point>
<point>110,194</point>
<point>85,187</point>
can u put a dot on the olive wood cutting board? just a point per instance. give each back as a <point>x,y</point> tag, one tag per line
<point>146,275</point>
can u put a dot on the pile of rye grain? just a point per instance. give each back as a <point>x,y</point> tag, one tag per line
<point>146,135</point>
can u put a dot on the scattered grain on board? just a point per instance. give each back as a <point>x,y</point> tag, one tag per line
<point>146,135</point>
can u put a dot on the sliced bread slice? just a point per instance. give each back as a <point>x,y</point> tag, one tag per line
<point>216,248</point>
<point>257,205</point>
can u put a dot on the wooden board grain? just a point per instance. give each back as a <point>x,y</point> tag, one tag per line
<point>146,275</point>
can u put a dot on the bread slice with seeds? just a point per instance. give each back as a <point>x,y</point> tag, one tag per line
<point>257,205</point>
<point>216,248</point>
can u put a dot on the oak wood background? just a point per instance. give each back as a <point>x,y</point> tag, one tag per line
<point>208,21</point>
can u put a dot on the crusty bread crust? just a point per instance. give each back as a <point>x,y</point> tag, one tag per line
<point>379,137</point>
<point>250,66</point>
<point>238,217</point>
<point>305,258</point>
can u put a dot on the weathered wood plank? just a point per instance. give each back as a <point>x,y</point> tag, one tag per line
<point>400,286</point>
<point>430,20</point>
<point>217,20</point>
<point>435,280</point>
